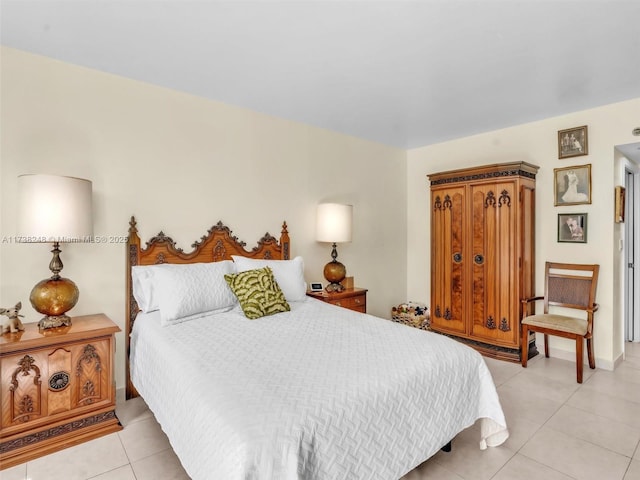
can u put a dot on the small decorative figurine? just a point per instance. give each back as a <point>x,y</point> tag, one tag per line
<point>12,323</point>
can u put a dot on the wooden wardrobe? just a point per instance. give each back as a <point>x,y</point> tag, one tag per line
<point>482,255</point>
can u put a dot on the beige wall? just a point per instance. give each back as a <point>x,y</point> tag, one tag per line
<point>180,164</point>
<point>537,143</point>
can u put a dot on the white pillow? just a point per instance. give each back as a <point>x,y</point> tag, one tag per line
<point>188,290</point>
<point>145,290</point>
<point>288,273</point>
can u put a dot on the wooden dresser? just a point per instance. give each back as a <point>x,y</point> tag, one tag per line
<point>482,255</point>
<point>57,387</point>
<point>351,298</point>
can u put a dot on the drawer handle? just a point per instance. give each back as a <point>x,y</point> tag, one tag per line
<point>357,300</point>
<point>338,304</point>
<point>59,381</point>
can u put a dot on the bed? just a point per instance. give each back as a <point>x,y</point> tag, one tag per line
<point>311,392</point>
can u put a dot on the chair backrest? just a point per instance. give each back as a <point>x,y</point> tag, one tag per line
<point>570,285</point>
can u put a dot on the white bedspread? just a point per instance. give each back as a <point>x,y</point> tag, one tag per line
<point>320,392</point>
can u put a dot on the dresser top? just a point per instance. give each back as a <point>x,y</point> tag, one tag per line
<point>86,326</point>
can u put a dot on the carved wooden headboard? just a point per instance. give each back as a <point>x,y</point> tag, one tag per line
<point>218,244</point>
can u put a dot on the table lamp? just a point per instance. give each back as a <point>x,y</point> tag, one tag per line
<point>54,209</point>
<point>334,226</point>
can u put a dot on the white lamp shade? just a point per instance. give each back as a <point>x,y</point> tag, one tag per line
<point>334,223</point>
<point>53,208</point>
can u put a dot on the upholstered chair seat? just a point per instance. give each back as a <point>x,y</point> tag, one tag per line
<point>561,323</point>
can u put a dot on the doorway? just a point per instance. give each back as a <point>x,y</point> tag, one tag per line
<point>631,254</point>
<point>629,177</point>
<point>627,255</point>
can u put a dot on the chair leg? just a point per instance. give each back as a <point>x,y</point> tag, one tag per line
<point>524,347</point>
<point>579,357</point>
<point>546,345</point>
<point>592,360</point>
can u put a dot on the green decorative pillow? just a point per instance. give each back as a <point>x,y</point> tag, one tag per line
<point>258,292</point>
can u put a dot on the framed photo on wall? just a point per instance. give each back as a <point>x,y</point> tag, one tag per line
<point>572,185</point>
<point>572,227</point>
<point>573,142</point>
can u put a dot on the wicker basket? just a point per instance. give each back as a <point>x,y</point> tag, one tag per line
<point>413,314</point>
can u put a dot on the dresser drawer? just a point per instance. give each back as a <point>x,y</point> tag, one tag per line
<point>357,303</point>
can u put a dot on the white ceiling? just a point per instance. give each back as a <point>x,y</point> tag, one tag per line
<point>402,73</point>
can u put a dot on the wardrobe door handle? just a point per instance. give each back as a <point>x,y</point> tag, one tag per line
<point>478,259</point>
<point>457,257</point>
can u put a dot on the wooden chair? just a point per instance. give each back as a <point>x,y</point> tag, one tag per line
<point>570,286</point>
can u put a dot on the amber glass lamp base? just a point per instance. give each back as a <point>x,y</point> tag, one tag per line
<point>54,297</point>
<point>334,272</point>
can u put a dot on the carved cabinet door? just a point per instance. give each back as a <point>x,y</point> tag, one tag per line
<point>91,371</point>
<point>494,285</point>
<point>24,391</point>
<point>448,259</point>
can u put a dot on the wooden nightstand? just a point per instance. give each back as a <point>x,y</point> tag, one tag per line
<point>351,298</point>
<point>57,387</point>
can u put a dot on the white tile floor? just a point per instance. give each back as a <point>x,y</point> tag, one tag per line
<point>559,430</point>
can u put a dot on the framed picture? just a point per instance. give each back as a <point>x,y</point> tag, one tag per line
<point>619,203</point>
<point>572,227</point>
<point>573,142</point>
<point>572,185</point>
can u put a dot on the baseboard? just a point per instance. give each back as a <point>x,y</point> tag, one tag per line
<point>571,356</point>
<point>618,361</point>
